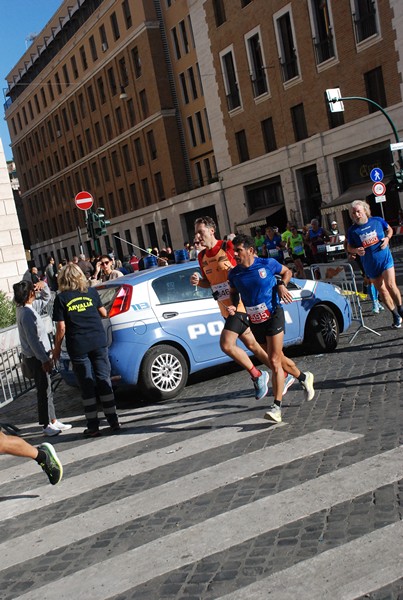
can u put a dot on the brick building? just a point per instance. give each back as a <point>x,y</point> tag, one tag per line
<point>169,109</point>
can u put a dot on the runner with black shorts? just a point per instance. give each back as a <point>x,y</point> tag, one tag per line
<point>254,279</point>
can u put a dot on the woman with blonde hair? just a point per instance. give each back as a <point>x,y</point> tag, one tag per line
<point>78,311</point>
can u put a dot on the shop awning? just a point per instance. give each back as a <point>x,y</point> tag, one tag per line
<point>259,217</point>
<point>354,192</point>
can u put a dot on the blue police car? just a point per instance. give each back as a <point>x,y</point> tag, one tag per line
<point>161,328</point>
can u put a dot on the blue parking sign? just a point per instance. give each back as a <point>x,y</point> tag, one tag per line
<point>376,175</point>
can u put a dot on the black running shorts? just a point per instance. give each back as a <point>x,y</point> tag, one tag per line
<point>237,323</point>
<point>269,328</point>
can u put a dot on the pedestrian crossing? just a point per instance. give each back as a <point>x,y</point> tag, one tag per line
<point>188,493</point>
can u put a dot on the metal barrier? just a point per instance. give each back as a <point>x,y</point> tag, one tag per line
<point>343,276</point>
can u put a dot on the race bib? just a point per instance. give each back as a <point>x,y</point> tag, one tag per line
<point>258,314</point>
<point>274,253</point>
<point>298,250</point>
<point>321,248</point>
<point>222,289</point>
<point>369,239</point>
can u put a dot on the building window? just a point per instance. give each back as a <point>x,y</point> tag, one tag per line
<point>245,3</point>
<point>127,14</point>
<point>207,169</point>
<point>192,83</point>
<point>88,138</point>
<point>133,196</point>
<point>230,80</point>
<point>146,191</point>
<point>115,27</point>
<point>115,164</point>
<point>43,96</point>
<point>286,47</point>
<point>80,146</point>
<point>31,112</point>
<point>24,114</point>
<point>105,169</point>
<point>38,108</point>
<point>151,145</point>
<point>111,204</point>
<point>74,68</point>
<point>81,104</point>
<point>83,58</point>
<point>322,31</point>
<point>191,129</point>
<point>65,119</point>
<point>101,90</point>
<point>364,18</point>
<point>185,41</point>
<point>91,98</point>
<point>136,62</point>
<point>50,88</point>
<point>108,127</point>
<point>160,186</point>
<point>242,145</point>
<point>14,127</point>
<point>119,119</point>
<point>72,152</point>
<point>103,38</point>
<point>144,103</point>
<point>112,81</point>
<point>58,84</point>
<point>219,12</point>
<point>73,112</point>
<point>98,133</point>
<point>139,152</point>
<point>299,122</point>
<point>185,94</point>
<point>93,48</point>
<point>375,89</point>
<point>131,112</point>
<point>50,131</point>
<point>124,80</point>
<point>269,137</point>
<point>256,64</point>
<point>200,127</point>
<point>126,158</point>
<point>122,199</point>
<point>176,43</point>
<point>199,174</point>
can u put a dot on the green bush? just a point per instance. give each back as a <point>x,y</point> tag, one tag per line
<point>7,311</point>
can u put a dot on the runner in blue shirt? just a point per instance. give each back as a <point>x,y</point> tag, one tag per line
<point>369,237</point>
<point>254,279</point>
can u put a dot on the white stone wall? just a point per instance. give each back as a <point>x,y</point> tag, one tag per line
<point>13,263</point>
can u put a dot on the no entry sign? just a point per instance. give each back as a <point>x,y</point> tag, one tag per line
<point>84,200</point>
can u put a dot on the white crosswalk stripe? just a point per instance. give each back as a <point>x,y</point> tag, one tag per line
<point>174,550</point>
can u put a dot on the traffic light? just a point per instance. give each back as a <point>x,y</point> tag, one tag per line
<point>399,180</point>
<point>101,223</point>
<point>90,224</point>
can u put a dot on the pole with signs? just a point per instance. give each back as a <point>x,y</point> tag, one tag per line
<point>379,189</point>
<point>84,201</point>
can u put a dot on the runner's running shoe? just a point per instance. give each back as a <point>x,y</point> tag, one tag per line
<point>273,414</point>
<point>52,465</point>
<point>397,322</point>
<point>308,386</point>
<point>289,380</point>
<point>261,385</point>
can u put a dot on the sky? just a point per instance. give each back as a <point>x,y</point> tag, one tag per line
<point>18,19</point>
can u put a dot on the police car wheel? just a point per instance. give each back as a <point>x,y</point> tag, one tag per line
<point>322,330</point>
<point>164,372</point>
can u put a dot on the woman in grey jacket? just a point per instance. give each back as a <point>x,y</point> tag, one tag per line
<point>35,347</point>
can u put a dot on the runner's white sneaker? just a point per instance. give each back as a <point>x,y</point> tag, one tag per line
<point>62,426</point>
<point>308,386</point>
<point>50,430</point>
<point>261,385</point>
<point>274,414</point>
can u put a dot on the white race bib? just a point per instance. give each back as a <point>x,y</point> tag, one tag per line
<point>222,289</point>
<point>259,313</point>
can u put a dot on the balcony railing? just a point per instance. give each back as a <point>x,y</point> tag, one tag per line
<point>324,49</point>
<point>289,68</point>
<point>365,25</point>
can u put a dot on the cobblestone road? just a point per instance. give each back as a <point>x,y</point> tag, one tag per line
<point>200,498</point>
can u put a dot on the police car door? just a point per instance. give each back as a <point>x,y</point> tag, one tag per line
<point>188,313</point>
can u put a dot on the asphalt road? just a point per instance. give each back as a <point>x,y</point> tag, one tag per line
<point>200,498</point>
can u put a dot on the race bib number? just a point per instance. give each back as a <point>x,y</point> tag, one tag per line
<point>259,313</point>
<point>222,289</point>
<point>369,239</point>
<point>321,248</point>
<point>298,250</point>
<point>274,253</point>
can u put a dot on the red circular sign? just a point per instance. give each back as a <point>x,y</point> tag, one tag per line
<point>379,189</point>
<point>84,200</point>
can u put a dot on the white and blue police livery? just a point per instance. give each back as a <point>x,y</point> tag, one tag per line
<point>161,328</point>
